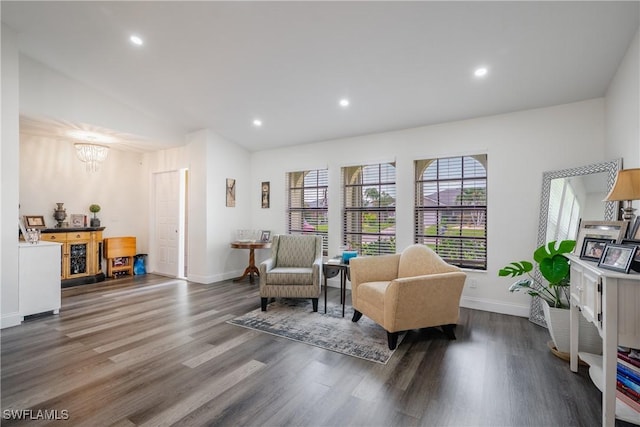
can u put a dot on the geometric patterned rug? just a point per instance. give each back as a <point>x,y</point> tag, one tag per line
<point>294,319</point>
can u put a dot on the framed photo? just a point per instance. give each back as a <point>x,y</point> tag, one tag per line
<point>265,236</point>
<point>635,264</point>
<point>265,190</point>
<point>34,221</point>
<point>615,230</point>
<point>23,231</point>
<point>77,220</point>
<point>634,232</point>
<point>231,192</point>
<point>618,257</point>
<point>592,248</point>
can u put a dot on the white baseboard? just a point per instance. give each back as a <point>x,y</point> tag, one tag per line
<point>213,278</point>
<point>9,320</point>
<point>495,306</point>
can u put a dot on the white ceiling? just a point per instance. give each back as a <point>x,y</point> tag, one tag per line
<point>219,65</point>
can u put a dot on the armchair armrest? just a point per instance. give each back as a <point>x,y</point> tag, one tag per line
<point>430,299</point>
<point>264,267</point>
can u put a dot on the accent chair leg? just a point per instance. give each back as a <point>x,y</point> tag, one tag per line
<point>392,340</point>
<point>449,331</point>
<point>314,301</point>
<point>356,315</point>
<point>263,303</point>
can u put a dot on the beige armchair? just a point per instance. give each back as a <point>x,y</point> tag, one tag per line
<point>294,269</point>
<point>411,290</point>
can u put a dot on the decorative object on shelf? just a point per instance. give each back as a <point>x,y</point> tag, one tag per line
<point>347,255</point>
<point>92,155</point>
<point>634,232</point>
<point>615,230</point>
<point>635,264</point>
<point>265,236</point>
<point>593,248</point>
<point>266,193</point>
<point>246,236</point>
<point>95,221</point>
<point>59,214</point>
<point>34,221</point>
<point>618,257</point>
<point>625,189</point>
<point>231,192</point>
<point>77,220</point>
<point>33,235</point>
<point>554,268</point>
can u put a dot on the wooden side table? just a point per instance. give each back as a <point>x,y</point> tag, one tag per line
<point>251,269</point>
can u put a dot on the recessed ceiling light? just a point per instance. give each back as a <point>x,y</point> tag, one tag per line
<point>480,72</point>
<point>136,40</point>
<point>257,123</point>
<point>344,102</point>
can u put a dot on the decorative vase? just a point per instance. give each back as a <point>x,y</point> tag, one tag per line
<point>59,214</point>
<point>557,319</point>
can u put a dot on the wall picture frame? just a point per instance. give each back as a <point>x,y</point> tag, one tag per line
<point>618,257</point>
<point>592,248</point>
<point>230,192</point>
<point>34,221</point>
<point>265,191</point>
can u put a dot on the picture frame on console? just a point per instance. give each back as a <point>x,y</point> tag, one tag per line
<point>77,220</point>
<point>618,257</point>
<point>615,230</point>
<point>635,264</point>
<point>592,248</point>
<point>634,231</point>
<point>34,221</point>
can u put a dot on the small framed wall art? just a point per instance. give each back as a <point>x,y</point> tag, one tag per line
<point>231,192</point>
<point>266,194</point>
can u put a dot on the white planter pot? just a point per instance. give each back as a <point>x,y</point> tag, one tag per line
<point>558,324</point>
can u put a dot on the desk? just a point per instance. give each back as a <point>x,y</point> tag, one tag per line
<point>252,246</point>
<point>332,269</point>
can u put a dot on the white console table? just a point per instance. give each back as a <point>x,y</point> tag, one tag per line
<point>39,278</point>
<point>610,300</point>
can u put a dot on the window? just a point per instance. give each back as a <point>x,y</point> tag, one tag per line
<point>369,201</point>
<point>451,208</point>
<point>307,204</point>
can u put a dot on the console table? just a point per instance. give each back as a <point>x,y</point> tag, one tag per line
<point>251,269</point>
<point>81,254</point>
<point>610,300</point>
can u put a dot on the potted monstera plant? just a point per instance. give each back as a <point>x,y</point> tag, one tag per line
<point>554,268</point>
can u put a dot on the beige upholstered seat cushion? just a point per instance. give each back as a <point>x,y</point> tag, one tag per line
<point>290,276</point>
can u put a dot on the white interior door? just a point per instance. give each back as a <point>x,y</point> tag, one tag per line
<point>169,232</point>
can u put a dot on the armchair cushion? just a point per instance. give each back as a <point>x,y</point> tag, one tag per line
<point>294,250</point>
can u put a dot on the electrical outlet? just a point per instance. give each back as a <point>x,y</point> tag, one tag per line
<point>473,283</point>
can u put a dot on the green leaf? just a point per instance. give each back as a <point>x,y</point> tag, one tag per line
<point>516,269</point>
<point>554,269</point>
<point>549,250</point>
<point>520,285</point>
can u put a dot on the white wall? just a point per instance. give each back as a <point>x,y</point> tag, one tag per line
<point>622,110</point>
<point>9,154</point>
<point>50,172</point>
<point>520,147</point>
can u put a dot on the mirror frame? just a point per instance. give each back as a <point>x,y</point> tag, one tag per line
<point>611,209</point>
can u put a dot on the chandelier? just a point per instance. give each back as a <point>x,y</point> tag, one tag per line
<point>92,155</point>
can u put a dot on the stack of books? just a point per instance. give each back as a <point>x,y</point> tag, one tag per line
<point>628,377</point>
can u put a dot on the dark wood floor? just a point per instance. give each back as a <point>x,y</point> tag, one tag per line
<point>155,351</point>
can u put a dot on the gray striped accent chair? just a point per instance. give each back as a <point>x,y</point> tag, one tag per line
<point>294,269</point>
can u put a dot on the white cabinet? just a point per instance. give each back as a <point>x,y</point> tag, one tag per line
<point>39,278</point>
<point>611,301</point>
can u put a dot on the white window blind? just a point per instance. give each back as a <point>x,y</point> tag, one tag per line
<point>307,208</point>
<point>369,208</point>
<point>451,208</point>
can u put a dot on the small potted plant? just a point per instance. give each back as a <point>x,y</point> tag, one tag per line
<point>554,291</point>
<point>95,221</point>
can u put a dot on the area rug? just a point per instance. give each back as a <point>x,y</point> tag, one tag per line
<point>294,319</point>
